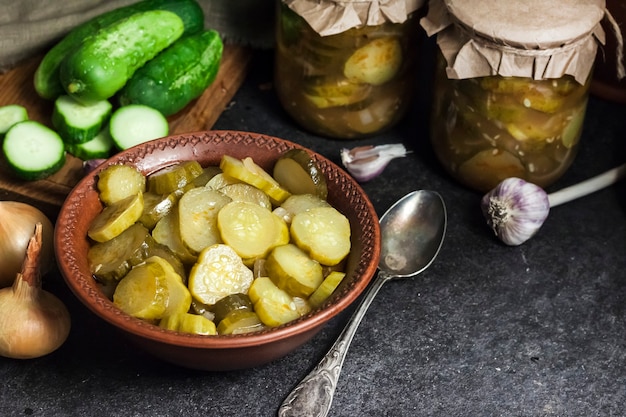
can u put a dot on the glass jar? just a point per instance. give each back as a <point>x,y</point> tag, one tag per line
<point>490,128</point>
<point>506,111</point>
<point>345,83</point>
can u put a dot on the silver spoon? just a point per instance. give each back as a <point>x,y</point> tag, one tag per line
<point>412,232</point>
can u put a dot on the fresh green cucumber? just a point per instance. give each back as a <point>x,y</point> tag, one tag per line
<point>98,147</point>
<point>10,115</point>
<point>33,150</point>
<point>177,75</point>
<point>136,123</point>
<point>104,62</point>
<point>77,122</point>
<point>46,80</point>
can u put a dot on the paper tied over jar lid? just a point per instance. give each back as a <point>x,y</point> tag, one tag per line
<point>537,39</point>
<point>330,17</point>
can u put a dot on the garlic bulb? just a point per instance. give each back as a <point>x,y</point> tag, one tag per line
<point>515,210</point>
<point>367,162</point>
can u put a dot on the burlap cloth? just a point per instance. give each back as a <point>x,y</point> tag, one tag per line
<point>28,27</point>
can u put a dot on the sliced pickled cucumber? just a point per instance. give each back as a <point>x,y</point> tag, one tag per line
<point>239,322</point>
<point>376,63</point>
<point>167,232</point>
<point>298,203</point>
<point>322,232</point>
<point>572,130</point>
<point>251,230</point>
<point>162,251</point>
<point>298,173</point>
<point>541,95</point>
<point>170,179</point>
<point>248,193</point>
<point>116,218</point>
<point>143,292</point>
<point>116,182</point>
<point>293,271</point>
<point>326,288</point>
<point>248,171</point>
<point>189,323</point>
<point>230,303</point>
<point>207,175</point>
<point>179,297</point>
<point>538,127</point>
<point>489,167</point>
<point>197,218</point>
<point>218,272</point>
<point>220,180</point>
<point>155,207</point>
<point>273,305</point>
<point>336,93</point>
<point>111,260</point>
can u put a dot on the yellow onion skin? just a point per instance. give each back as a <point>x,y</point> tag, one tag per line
<point>33,322</point>
<point>17,223</point>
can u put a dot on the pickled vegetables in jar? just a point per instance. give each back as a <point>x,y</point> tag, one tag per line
<point>348,84</point>
<point>490,128</point>
<point>511,86</point>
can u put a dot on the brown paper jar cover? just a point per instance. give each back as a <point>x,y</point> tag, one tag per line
<point>536,39</point>
<point>329,17</point>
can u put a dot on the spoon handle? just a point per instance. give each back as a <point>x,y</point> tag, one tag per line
<point>313,396</point>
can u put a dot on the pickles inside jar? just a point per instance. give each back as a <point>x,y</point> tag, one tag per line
<point>497,127</point>
<point>340,85</point>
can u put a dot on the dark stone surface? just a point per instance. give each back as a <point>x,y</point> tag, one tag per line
<point>487,330</point>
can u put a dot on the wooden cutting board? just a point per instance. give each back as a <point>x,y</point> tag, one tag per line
<point>16,87</point>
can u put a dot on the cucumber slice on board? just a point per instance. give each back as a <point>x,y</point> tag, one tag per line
<point>33,150</point>
<point>136,123</point>
<point>98,147</point>
<point>79,123</point>
<point>10,115</point>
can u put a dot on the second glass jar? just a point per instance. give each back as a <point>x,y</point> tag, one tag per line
<point>349,85</point>
<point>490,128</point>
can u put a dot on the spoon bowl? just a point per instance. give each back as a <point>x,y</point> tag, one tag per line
<point>412,233</point>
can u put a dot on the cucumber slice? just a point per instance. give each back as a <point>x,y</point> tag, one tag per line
<point>116,182</point>
<point>33,151</point>
<point>98,147</point>
<point>298,173</point>
<point>322,232</point>
<point>10,115</point>
<point>134,124</point>
<point>248,171</point>
<point>326,288</point>
<point>116,218</point>
<point>79,123</point>
<point>293,271</point>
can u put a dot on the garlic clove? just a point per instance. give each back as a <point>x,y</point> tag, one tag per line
<point>515,210</point>
<point>366,162</point>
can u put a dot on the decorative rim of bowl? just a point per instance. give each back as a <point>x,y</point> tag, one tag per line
<point>82,285</point>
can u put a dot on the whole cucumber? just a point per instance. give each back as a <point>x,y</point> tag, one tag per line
<point>103,63</point>
<point>46,79</point>
<point>177,75</point>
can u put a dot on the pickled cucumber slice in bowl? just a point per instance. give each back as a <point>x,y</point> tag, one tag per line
<point>216,352</point>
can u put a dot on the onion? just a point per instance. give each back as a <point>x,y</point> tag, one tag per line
<point>33,322</point>
<point>17,222</point>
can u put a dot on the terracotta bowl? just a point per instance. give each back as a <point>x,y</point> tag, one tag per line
<point>224,352</point>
